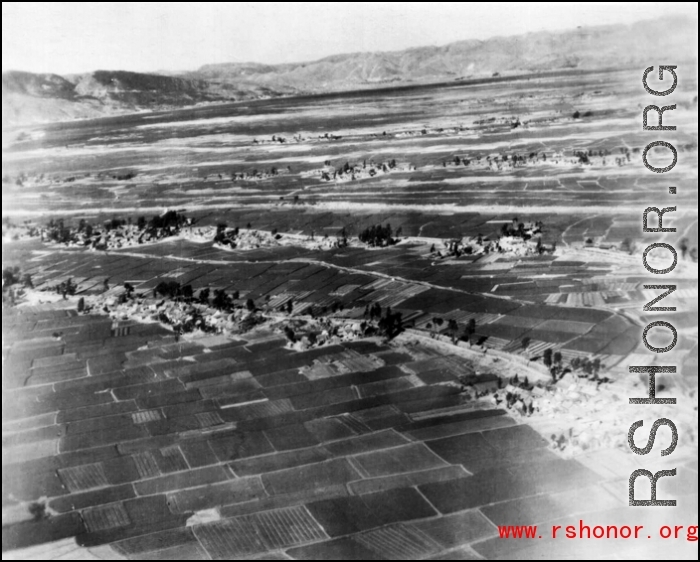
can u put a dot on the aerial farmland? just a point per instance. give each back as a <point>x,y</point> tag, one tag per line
<point>375,324</point>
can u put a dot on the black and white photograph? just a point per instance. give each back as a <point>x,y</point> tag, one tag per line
<point>349,281</point>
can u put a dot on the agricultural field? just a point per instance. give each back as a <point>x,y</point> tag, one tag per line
<point>376,286</point>
<point>436,163</point>
<point>122,442</point>
<point>563,149</point>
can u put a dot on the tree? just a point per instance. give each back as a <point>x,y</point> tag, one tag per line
<point>398,323</point>
<point>452,329</point>
<point>38,511</point>
<point>557,357</point>
<point>377,235</point>
<point>250,305</point>
<point>70,287</point>
<point>220,232</point>
<point>391,324</point>
<point>547,357</point>
<point>129,288</point>
<point>221,301</point>
<point>187,293</point>
<point>470,330</point>
<point>342,238</point>
<point>204,296</point>
<point>525,343</point>
<point>170,289</point>
<point>289,333</point>
<point>81,304</point>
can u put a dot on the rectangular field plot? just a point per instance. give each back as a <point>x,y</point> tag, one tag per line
<point>503,332</point>
<point>567,326</point>
<point>516,322</point>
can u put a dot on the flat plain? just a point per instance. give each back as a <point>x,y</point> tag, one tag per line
<point>143,445</point>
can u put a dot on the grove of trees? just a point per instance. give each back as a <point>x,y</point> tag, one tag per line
<point>378,235</point>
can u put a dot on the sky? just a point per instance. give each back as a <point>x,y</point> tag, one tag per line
<point>74,37</point>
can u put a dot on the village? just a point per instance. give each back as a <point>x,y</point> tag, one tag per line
<point>570,401</point>
<point>518,238</point>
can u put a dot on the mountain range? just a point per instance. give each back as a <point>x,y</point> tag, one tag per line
<point>33,98</point>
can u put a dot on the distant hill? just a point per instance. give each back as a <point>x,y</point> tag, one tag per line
<point>642,43</point>
<point>31,98</point>
<point>34,98</point>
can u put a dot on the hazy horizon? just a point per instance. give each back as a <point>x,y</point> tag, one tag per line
<point>76,37</point>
